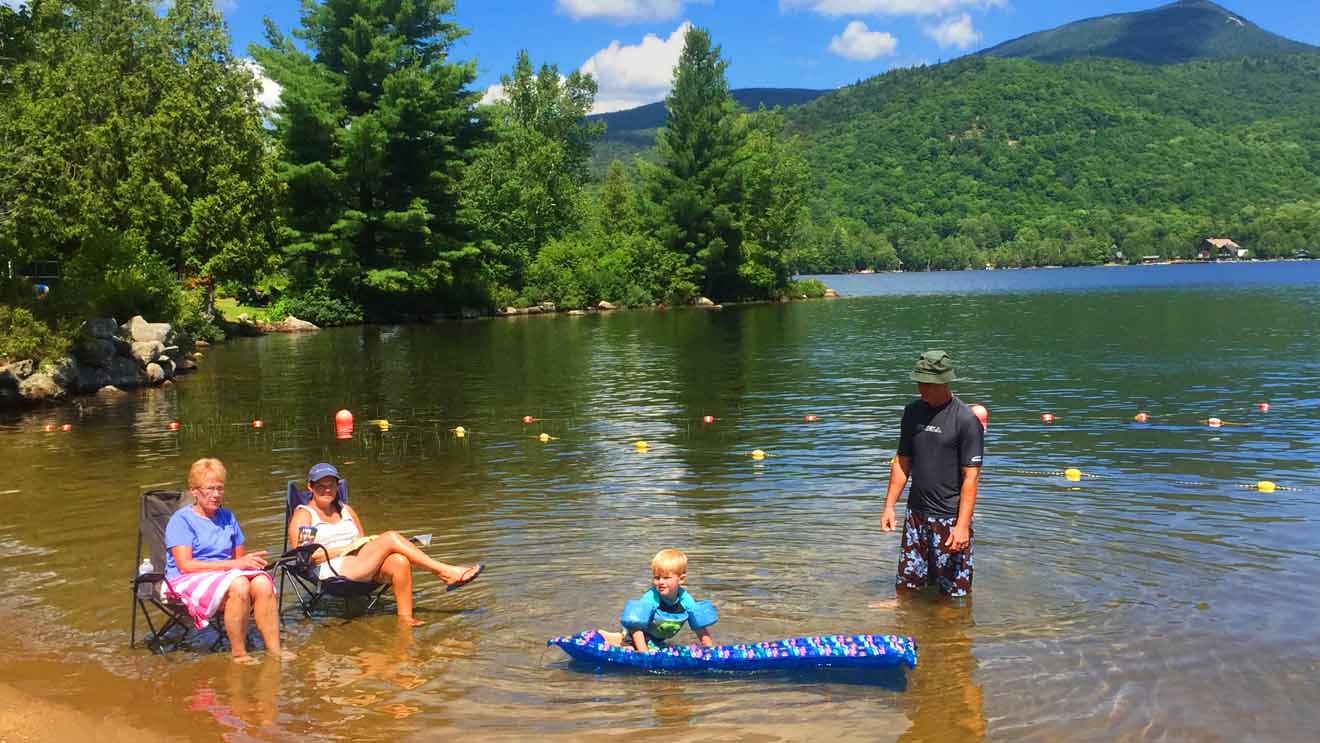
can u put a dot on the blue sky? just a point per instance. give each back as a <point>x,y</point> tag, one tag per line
<point>631,45</point>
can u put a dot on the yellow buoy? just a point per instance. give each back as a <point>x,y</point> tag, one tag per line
<point>383,425</point>
<point>545,438</point>
<point>758,454</point>
<point>642,446</point>
<point>460,432</point>
<point>1073,474</point>
<point>1265,486</point>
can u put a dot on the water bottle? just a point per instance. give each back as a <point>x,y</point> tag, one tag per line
<point>144,586</point>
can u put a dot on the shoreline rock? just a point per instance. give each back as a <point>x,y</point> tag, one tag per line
<point>104,355</point>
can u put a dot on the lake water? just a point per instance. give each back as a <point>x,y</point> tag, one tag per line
<point>1162,597</point>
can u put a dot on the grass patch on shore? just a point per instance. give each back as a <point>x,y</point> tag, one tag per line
<point>231,309</point>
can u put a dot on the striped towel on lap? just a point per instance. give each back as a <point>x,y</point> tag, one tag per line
<point>203,592</point>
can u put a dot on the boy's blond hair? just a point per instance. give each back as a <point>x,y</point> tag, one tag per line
<point>669,561</point>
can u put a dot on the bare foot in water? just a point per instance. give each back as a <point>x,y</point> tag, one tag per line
<point>411,622</point>
<point>886,604</point>
<point>245,660</point>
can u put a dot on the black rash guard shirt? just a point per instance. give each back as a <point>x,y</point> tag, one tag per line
<point>941,441</point>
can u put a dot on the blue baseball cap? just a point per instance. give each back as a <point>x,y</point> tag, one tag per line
<point>321,470</point>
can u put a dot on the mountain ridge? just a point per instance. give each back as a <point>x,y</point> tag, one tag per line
<point>1175,33</point>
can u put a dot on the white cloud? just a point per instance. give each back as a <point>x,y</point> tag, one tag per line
<point>888,7</point>
<point>633,75</point>
<point>956,31</point>
<point>268,91</point>
<point>859,42</point>
<point>622,10</point>
<point>15,4</point>
<point>494,94</point>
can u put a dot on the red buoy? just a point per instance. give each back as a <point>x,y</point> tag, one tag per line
<point>174,425</point>
<point>707,419</point>
<point>982,414</point>
<point>66,427</point>
<point>1264,407</point>
<point>1141,417</point>
<point>344,418</point>
<point>258,424</point>
<point>528,420</point>
<point>811,418</point>
<point>1214,422</point>
<point>1047,417</point>
<point>49,428</point>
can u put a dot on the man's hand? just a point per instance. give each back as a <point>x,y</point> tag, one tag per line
<point>888,520</point>
<point>959,536</point>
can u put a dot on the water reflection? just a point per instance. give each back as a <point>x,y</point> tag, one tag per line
<point>945,699</point>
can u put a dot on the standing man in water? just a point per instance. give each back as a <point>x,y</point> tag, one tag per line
<point>940,447</point>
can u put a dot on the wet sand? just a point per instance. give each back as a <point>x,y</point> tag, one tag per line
<point>26,717</point>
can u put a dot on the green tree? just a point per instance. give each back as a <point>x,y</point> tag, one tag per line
<point>523,188</point>
<point>140,154</point>
<point>375,126</point>
<point>695,188</point>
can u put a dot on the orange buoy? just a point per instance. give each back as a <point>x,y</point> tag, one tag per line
<point>982,414</point>
<point>1047,417</point>
<point>528,420</point>
<point>811,418</point>
<point>707,419</point>
<point>174,425</point>
<point>1264,407</point>
<point>1214,422</point>
<point>49,428</point>
<point>1142,417</point>
<point>66,427</point>
<point>258,423</point>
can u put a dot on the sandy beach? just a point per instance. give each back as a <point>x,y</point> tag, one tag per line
<point>26,717</point>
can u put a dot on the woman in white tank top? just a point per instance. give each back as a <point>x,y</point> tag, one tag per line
<point>384,558</point>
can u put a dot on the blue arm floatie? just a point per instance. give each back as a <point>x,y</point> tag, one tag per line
<point>702,615</point>
<point>636,614</point>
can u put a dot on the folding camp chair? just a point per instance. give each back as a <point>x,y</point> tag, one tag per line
<point>176,626</point>
<point>302,573</point>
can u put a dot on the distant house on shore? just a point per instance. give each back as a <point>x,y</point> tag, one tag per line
<point>1221,249</point>
<point>1148,260</point>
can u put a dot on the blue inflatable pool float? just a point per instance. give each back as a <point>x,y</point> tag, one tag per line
<point>822,651</point>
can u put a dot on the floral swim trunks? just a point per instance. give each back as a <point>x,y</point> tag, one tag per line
<point>924,557</point>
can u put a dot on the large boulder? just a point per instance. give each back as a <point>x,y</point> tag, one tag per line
<point>139,330</point>
<point>91,378</point>
<point>290,324</point>
<point>95,351</point>
<point>63,370</point>
<point>42,387</point>
<point>703,302</point>
<point>125,373</point>
<point>168,366</point>
<point>186,365</point>
<point>17,371</point>
<point>155,374</point>
<point>146,352</point>
<point>11,377</point>
<point>831,294</point>
<point>101,327</point>
<point>603,305</point>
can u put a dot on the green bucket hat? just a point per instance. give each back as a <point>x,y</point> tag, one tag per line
<point>934,367</point>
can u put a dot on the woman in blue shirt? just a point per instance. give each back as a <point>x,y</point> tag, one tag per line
<point>208,568</point>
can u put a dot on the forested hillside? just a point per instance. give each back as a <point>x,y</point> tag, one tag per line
<point>1017,162</point>
<point>1183,31</point>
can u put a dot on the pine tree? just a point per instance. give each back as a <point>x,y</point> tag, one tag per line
<point>375,124</point>
<point>695,188</point>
